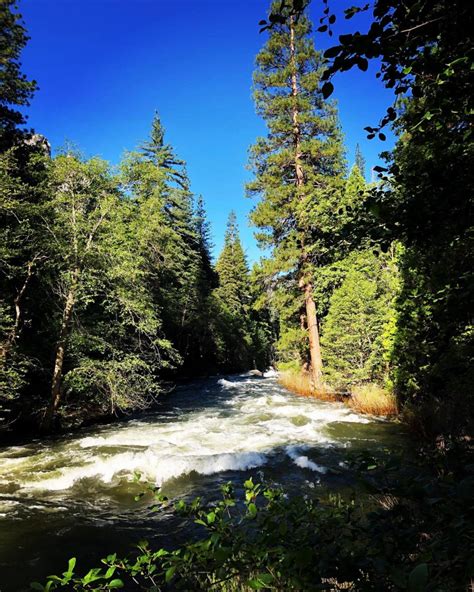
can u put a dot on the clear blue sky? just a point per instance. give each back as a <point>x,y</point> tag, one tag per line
<point>104,66</point>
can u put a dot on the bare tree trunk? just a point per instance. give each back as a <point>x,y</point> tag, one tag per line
<point>305,283</point>
<point>48,417</point>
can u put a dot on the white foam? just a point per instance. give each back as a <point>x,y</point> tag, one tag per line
<point>153,466</point>
<point>259,418</point>
<point>227,383</point>
<point>303,461</point>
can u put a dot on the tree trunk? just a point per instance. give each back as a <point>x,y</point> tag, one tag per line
<point>313,333</point>
<point>15,330</point>
<point>50,413</point>
<point>305,284</point>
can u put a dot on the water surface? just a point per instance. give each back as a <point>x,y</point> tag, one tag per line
<point>74,495</point>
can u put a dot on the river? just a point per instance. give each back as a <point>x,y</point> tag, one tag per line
<point>74,496</point>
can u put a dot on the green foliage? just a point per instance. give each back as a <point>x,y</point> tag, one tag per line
<point>298,172</point>
<point>178,246</point>
<point>23,254</point>
<point>425,54</point>
<point>241,326</point>
<point>15,89</point>
<point>360,161</point>
<point>413,531</point>
<point>358,330</point>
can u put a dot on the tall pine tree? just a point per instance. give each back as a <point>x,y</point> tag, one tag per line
<point>233,301</point>
<point>360,160</point>
<point>298,170</point>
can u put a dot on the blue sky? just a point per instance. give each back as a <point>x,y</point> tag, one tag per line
<point>104,66</point>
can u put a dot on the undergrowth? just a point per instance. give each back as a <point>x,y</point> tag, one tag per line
<point>410,530</point>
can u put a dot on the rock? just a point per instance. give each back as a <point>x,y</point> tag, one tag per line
<point>255,374</point>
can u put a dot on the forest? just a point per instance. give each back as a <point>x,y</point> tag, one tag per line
<point>111,301</point>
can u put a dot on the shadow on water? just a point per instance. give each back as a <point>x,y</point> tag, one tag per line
<point>74,496</point>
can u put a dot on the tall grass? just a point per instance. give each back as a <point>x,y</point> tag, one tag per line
<point>370,399</point>
<point>374,400</point>
<point>300,384</point>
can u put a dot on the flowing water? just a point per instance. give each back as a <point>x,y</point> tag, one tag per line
<point>75,495</point>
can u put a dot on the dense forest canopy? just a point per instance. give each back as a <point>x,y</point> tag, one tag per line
<point>108,283</point>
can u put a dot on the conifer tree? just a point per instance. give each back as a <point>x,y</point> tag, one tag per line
<point>298,170</point>
<point>360,160</point>
<point>203,354</point>
<point>23,163</point>
<point>233,300</point>
<point>233,270</point>
<point>179,256</point>
<point>15,89</point>
<point>359,329</point>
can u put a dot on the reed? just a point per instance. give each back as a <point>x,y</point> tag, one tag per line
<point>373,400</point>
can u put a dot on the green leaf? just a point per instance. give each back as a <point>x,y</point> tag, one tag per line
<point>261,581</point>
<point>252,510</point>
<point>418,578</point>
<point>110,572</point>
<point>117,583</point>
<point>71,565</point>
<point>211,517</point>
<point>332,52</point>
<point>170,573</point>
<point>327,89</point>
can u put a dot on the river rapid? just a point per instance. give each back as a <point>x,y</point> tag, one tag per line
<point>74,496</point>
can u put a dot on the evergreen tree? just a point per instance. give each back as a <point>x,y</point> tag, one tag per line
<point>178,246</point>
<point>359,329</point>
<point>360,160</point>
<point>163,156</point>
<point>205,246</point>
<point>298,174</point>
<point>15,89</point>
<point>233,270</point>
<point>233,301</point>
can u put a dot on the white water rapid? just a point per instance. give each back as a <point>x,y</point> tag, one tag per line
<point>247,422</point>
<point>75,495</point>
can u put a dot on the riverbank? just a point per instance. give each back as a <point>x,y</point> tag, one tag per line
<point>369,399</point>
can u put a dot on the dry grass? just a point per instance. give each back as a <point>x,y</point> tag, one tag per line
<point>300,384</point>
<point>374,400</point>
<point>370,399</point>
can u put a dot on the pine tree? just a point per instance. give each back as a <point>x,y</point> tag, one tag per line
<point>359,329</point>
<point>205,246</point>
<point>23,164</point>
<point>233,301</point>
<point>15,89</point>
<point>298,171</point>
<point>233,270</point>
<point>360,160</point>
<point>163,156</point>
<point>179,255</point>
